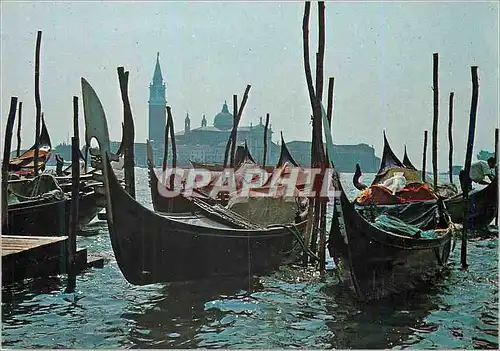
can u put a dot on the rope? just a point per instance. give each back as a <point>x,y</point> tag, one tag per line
<point>226,214</point>
<point>297,235</point>
<point>35,193</point>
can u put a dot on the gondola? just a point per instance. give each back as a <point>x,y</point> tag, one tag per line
<point>407,163</point>
<point>377,262</point>
<point>181,204</point>
<point>285,155</point>
<point>50,217</point>
<point>152,247</point>
<point>241,154</point>
<point>388,187</point>
<point>389,164</point>
<point>483,206</point>
<point>265,202</point>
<point>177,204</point>
<point>484,201</point>
<point>30,193</point>
<point>25,163</point>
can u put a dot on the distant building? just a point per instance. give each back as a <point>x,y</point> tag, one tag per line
<point>157,106</point>
<point>345,157</point>
<point>207,143</point>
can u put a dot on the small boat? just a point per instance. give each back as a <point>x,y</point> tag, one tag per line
<point>407,163</point>
<point>390,164</point>
<point>395,182</point>
<point>153,247</point>
<point>483,206</point>
<point>265,203</point>
<point>285,155</point>
<point>484,201</point>
<point>38,217</point>
<point>25,163</point>
<point>177,204</point>
<point>50,216</point>
<point>181,204</point>
<point>378,260</point>
<point>241,154</point>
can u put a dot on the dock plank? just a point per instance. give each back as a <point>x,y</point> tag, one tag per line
<point>35,256</point>
<point>32,256</point>
<point>12,244</point>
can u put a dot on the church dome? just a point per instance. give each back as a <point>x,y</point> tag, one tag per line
<point>224,120</point>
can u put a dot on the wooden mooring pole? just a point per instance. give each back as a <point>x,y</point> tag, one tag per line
<point>424,157</point>
<point>324,204</point>
<point>496,168</point>
<point>38,103</point>
<point>435,118</point>
<point>5,163</point>
<point>329,107</point>
<point>129,135</point>
<point>450,137</point>
<point>174,147</point>
<point>312,98</point>
<point>165,145</point>
<point>234,132</point>
<point>264,156</point>
<point>319,154</point>
<point>165,156</point>
<point>468,160</point>
<point>75,191</point>
<point>18,150</point>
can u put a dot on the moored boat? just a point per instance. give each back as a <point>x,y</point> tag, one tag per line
<point>383,255</point>
<point>483,201</point>
<point>483,206</point>
<point>151,247</point>
<point>49,215</point>
<point>24,164</point>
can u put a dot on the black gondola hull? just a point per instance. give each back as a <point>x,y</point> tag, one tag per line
<point>50,218</point>
<point>377,264</point>
<point>38,218</point>
<point>483,206</point>
<point>177,204</point>
<point>152,248</point>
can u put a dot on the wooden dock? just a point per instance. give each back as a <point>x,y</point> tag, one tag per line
<point>37,256</point>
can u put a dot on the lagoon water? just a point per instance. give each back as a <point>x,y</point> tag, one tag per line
<point>292,308</point>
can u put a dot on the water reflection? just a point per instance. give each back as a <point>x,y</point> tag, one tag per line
<point>381,324</point>
<point>18,295</point>
<point>177,313</point>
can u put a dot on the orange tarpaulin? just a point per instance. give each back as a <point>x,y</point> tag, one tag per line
<point>380,195</point>
<point>25,164</point>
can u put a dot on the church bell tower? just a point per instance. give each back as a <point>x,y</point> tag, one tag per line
<point>157,105</point>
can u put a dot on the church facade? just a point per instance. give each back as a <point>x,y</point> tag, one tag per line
<point>207,143</point>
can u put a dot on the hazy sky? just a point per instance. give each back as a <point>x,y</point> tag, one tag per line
<point>379,53</point>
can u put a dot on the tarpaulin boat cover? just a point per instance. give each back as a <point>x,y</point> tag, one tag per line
<point>271,203</point>
<point>422,214</point>
<point>397,226</point>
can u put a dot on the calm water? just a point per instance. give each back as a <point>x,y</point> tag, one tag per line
<point>292,308</point>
